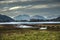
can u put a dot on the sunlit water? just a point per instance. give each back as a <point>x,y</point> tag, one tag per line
<point>29,22</point>
<point>25,26</point>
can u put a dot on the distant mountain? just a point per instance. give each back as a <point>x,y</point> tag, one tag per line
<point>51,17</point>
<point>4,18</point>
<point>56,19</point>
<point>38,17</point>
<point>22,18</point>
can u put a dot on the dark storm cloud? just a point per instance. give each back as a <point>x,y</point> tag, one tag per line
<point>19,3</point>
<point>33,2</point>
<point>31,7</point>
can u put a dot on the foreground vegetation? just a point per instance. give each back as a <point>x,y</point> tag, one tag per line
<point>29,34</point>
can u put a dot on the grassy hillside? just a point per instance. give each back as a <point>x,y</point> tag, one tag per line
<point>29,34</point>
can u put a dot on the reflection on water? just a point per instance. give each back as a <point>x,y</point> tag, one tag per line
<point>25,26</point>
<point>43,28</point>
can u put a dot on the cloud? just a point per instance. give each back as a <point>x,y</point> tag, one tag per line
<point>44,6</point>
<point>35,6</point>
<point>39,6</point>
<point>4,9</point>
<point>2,2</point>
<point>31,7</point>
<point>19,7</point>
<point>43,1</point>
<point>12,1</point>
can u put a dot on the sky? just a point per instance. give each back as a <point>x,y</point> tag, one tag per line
<point>46,8</point>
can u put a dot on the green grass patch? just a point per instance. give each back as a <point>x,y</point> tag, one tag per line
<point>29,34</point>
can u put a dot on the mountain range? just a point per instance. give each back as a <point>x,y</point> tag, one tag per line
<point>38,17</point>
<point>34,18</point>
<point>26,18</point>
